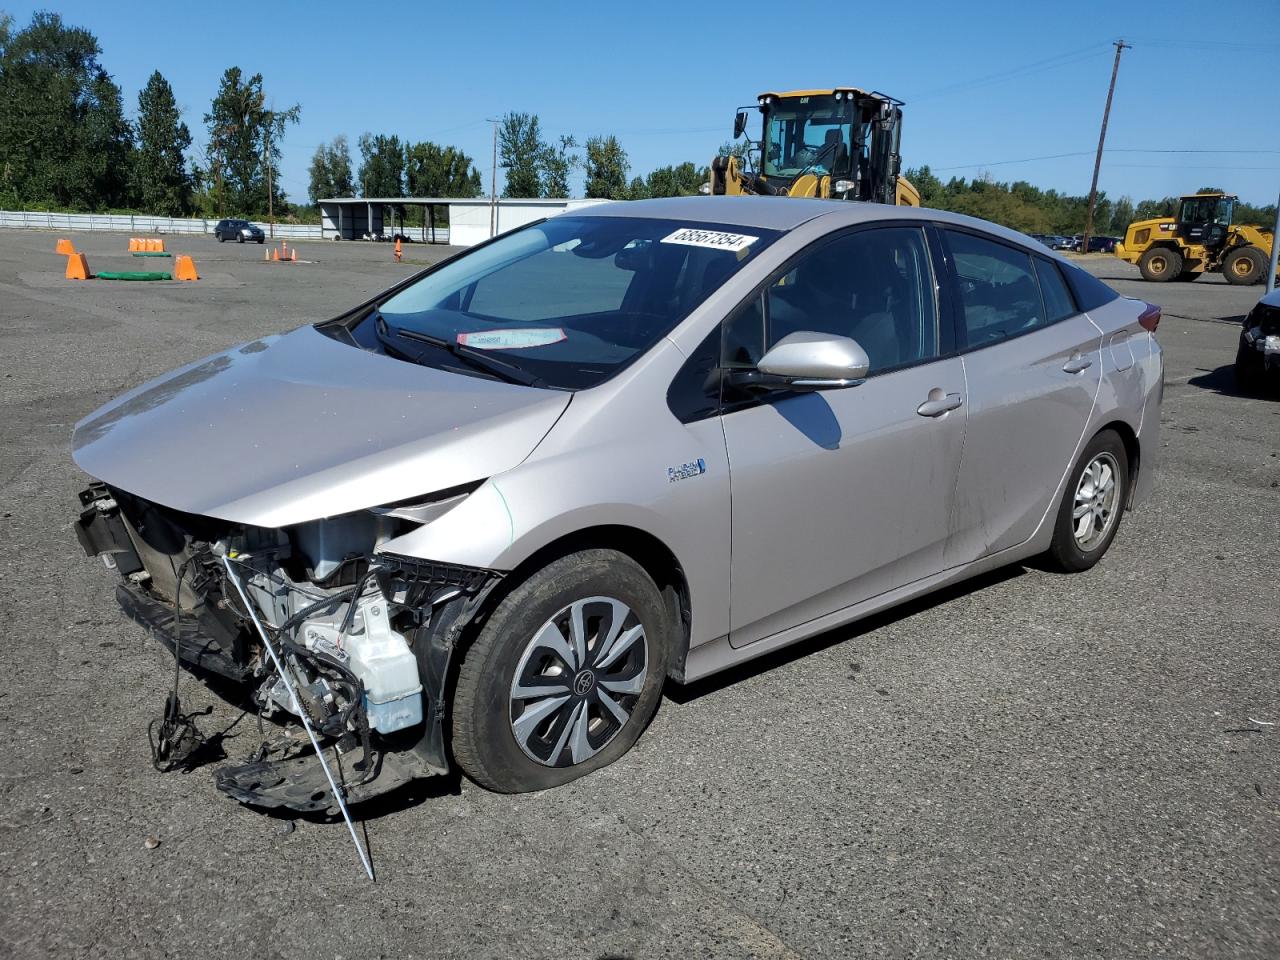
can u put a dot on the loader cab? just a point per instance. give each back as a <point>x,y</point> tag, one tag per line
<point>848,135</point>
<point>1205,218</point>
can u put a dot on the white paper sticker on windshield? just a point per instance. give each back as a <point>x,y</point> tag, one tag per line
<point>511,339</point>
<point>713,239</point>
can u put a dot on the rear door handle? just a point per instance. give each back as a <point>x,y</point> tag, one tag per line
<point>938,406</point>
<point>1077,364</point>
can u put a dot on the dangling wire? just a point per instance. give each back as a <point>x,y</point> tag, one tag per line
<point>173,736</point>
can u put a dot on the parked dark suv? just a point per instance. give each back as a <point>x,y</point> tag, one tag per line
<point>238,230</point>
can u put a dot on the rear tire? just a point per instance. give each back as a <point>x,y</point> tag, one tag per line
<point>601,695</point>
<point>1092,504</point>
<point>1245,266</point>
<point>1160,264</point>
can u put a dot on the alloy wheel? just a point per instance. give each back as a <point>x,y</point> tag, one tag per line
<point>1095,510</point>
<point>578,681</point>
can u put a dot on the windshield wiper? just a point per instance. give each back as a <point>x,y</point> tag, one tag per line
<point>469,355</point>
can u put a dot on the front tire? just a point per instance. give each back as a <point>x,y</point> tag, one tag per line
<point>1160,264</point>
<point>564,676</point>
<point>1092,504</point>
<point>1245,266</point>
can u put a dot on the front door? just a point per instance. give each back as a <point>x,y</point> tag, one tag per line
<point>841,495</point>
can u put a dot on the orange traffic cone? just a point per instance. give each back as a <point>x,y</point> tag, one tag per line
<point>275,255</point>
<point>134,244</point>
<point>78,267</point>
<point>294,254</point>
<point>65,247</point>
<point>184,268</point>
<point>398,250</point>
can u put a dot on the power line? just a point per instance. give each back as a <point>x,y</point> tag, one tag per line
<point>1068,58</point>
<point>1085,153</point>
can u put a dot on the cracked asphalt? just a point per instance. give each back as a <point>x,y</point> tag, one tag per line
<point>1029,765</point>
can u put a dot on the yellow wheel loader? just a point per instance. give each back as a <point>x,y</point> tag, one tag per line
<point>840,143</point>
<point>1200,239</point>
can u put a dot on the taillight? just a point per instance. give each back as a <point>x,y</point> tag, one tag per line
<point>1149,319</point>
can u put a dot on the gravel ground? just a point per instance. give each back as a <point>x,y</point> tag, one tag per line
<point>1030,765</point>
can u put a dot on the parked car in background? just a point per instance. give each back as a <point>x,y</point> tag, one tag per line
<point>1102,244</point>
<point>238,230</point>
<point>486,515</point>
<point>1258,356</point>
<point>1062,243</point>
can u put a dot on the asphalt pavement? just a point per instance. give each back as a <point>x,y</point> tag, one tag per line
<point>1028,765</point>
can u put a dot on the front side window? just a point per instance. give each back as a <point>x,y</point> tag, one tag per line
<point>565,303</point>
<point>998,289</point>
<point>874,286</point>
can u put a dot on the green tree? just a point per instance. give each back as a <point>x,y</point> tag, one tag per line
<point>63,136</point>
<point>381,166</point>
<point>162,182</point>
<point>1122,215</point>
<point>557,163</point>
<point>521,153</point>
<point>331,171</point>
<point>606,167</point>
<point>682,180</point>
<point>435,171</point>
<point>244,136</point>
<point>638,189</point>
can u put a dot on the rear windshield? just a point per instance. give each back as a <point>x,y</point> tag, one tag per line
<point>565,303</point>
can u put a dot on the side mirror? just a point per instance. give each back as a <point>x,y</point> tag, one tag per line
<point>812,361</point>
<point>739,124</point>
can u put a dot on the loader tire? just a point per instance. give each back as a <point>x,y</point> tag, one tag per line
<point>1160,264</point>
<point>1245,266</point>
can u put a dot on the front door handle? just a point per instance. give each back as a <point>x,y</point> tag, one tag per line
<point>1078,364</point>
<point>936,406</point>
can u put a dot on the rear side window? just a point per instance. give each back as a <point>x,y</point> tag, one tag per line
<point>1057,298</point>
<point>1091,293</point>
<point>998,290</point>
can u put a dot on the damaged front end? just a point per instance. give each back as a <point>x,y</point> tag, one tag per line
<point>318,621</point>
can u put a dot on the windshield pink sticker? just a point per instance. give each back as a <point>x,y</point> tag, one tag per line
<point>511,339</point>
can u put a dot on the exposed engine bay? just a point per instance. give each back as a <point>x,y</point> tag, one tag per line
<point>318,624</point>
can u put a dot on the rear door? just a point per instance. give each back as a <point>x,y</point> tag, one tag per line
<point>1032,364</point>
<point>840,495</point>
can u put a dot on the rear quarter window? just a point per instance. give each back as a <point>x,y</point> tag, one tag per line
<point>1090,292</point>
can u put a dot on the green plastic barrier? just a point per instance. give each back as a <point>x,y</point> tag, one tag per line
<point>150,253</point>
<point>133,275</point>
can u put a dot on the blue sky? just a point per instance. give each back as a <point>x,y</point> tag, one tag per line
<point>985,82</point>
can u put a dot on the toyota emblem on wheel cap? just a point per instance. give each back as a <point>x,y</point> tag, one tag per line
<point>583,683</point>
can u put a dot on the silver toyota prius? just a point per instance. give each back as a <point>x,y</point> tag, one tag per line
<point>481,519</point>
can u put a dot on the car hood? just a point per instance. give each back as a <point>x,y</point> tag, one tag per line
<point>301,426</point>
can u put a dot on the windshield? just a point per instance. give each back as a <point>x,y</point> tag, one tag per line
<point>809,134</point>
<point>1207,210</point>
<point>565,303</point>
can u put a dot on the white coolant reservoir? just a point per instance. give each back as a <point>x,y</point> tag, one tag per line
<point>380,657</point>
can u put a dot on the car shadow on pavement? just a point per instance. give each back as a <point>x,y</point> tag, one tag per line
<point>686,693</point>
<point>1223,381</point>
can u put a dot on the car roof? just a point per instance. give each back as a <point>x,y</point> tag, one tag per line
<point>784,213</point>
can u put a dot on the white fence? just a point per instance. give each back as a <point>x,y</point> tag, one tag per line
<point>141,223</point>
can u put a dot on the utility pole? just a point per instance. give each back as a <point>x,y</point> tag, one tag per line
<point>271,213</point>
<point>493,186</point>
<point>1120,46</point>
<point>1275,250</point>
